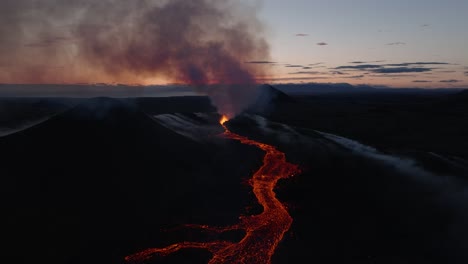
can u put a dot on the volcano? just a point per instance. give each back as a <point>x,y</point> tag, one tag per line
<point>267,99</point>
<point>74,181</point>
<point>103,179</point>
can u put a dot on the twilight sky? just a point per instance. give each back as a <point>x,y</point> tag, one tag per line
<point>377,33</point>
<point>399,43</point>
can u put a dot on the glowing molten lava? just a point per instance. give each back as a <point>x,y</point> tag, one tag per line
<point>223,120</point>
<point>263,232</point>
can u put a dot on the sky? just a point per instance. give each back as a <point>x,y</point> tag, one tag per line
<point>417,43</point>
<point>326,36</point>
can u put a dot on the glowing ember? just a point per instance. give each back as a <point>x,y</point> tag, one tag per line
<point>263,231</point>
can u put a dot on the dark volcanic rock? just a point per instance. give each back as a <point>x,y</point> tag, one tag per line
<point>105,179</point>
<point>102,180</point>
<point>462,96</point>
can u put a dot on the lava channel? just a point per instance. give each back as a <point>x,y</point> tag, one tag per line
<point>263,232</point>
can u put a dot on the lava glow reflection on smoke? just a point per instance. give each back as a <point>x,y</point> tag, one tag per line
<point>263,232</point>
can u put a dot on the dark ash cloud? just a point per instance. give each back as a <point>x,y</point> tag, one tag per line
<point>49,41</point>
<point>322,44</point>
<point>197,42</point>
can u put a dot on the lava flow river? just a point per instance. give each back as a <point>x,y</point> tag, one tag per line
<point>263,232</point>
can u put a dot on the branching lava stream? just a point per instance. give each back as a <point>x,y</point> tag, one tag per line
<point>263,232</point>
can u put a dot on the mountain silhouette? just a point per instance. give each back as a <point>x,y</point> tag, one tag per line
<point>106,179</point>
<point>89,180</point>
<point>461,96</point>
<point>268,98</point>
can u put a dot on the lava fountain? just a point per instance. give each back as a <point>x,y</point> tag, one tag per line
<point>263,232</point>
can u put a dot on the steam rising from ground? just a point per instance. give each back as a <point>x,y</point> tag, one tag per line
<point>197,42</point>
<point>404,165</point>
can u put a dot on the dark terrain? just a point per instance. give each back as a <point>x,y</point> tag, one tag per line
<point>102,178</point>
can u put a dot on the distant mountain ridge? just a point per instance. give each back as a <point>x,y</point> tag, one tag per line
<point>171,90</point>
<point>346,88</point>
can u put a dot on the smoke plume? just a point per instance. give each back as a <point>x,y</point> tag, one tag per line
<point>197,42</point>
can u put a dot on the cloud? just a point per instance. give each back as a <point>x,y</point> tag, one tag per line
<point>115,40</point>
<point>316,65</point>
<point>46,42</point>
<point>359,67</point>
<point>274,79</point>
<point>401,70</point>
<point>355,77</point>
<point>425,25</point>
<point>404,64</point>
<point>305,72</point>
<point>395,43</point>
<point>293,66</point>
<point>392,68</point>
<point>384,30</point>
<point>338,73</point>
<point>368,62</point>
<point>301,35</point>
<point>307,68</point>
<point>322,44</point>
<point>450,81</point>
<point>466,73</point>
<point>261,62</point>
<point>421,81</point>
<point>392,75</point>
